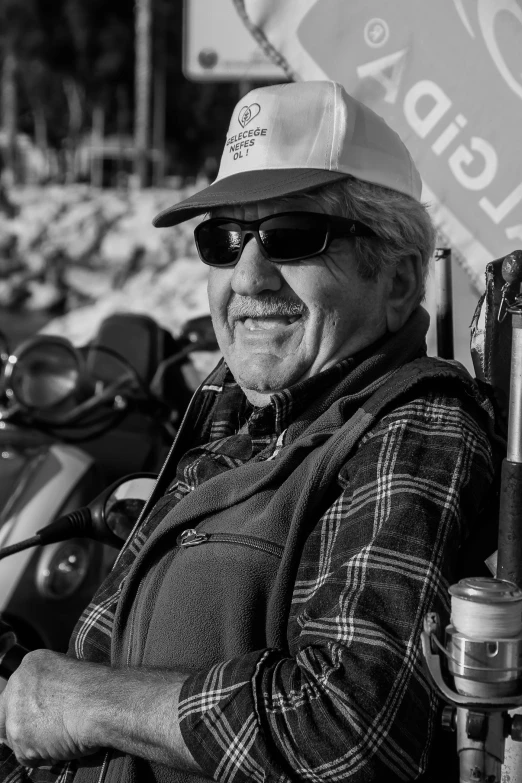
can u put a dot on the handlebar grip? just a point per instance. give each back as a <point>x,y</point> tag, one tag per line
<point>11,660</point>
<point>11,653</point>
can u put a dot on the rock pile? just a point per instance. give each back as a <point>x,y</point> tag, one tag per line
<point>82,255</point>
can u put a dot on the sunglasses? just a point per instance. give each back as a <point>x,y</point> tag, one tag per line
<point>289,236</point>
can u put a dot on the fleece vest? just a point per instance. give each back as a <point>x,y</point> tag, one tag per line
<point>193,599</point>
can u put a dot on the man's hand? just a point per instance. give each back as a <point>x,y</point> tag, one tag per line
<point>45,708</point>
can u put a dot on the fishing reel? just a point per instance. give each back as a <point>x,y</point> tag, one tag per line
<point>476,666</point>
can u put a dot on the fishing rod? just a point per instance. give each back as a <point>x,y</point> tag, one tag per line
<point>476,661</point>
<point>444,314</point>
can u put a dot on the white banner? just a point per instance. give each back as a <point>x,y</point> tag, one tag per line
<point>447,76</point>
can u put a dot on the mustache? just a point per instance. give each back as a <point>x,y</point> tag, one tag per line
<point>249,307</point>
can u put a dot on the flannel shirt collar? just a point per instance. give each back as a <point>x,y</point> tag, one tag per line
<point>231,412</point>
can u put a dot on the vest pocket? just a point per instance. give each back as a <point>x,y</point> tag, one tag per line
<point>192,537</point>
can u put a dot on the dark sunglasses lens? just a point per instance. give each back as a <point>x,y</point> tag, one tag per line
<point>291,236</point>
<point>219,243</point>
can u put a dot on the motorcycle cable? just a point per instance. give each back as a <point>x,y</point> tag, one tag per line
<point>98,427</point>
<point>103,421</point>
<point>115,355</point>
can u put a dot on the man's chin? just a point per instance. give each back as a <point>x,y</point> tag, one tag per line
<point>265,379</point>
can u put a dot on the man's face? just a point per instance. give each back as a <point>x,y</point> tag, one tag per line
<point>277,324</point>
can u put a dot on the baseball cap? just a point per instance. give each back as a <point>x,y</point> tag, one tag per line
<point>289,138</point>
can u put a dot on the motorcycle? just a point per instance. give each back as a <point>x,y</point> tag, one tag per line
<point>72,422</point>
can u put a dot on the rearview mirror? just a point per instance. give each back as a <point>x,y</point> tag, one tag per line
<point>125,503</point>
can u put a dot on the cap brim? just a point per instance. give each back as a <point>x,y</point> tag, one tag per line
<point>244,188</point>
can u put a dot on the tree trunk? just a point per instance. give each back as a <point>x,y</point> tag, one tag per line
<point>143,17</point>
<point>123,123</point>
<point>40,127</point>
<point>9,114</point>
<point>160,94</point>
<point>33,75</point>
<point>40,137</point>
<point>98,133</point>
<point>73,94</point>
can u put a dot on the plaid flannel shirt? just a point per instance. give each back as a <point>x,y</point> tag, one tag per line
<point>351,701</point>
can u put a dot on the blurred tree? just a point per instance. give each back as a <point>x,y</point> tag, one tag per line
<point>19,35</point>
<point>50,80</point>
<point>67,61</point>
<point>197,114</point>
<point>102,32</point>
<point>143,77</point>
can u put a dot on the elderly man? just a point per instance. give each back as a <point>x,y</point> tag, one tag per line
<point>263,621</point>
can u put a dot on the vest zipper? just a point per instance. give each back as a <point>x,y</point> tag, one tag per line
<point>193,537</point>
<point>131,622</point>
<point>104,767</point>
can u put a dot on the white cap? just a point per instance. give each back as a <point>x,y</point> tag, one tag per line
<point>290,138</point>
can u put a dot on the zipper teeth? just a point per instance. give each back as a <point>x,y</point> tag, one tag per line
<point>131,621</point>
<point>104,767</point>
<point>254,543</point>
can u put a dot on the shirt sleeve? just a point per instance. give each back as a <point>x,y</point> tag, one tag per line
<point>349,699</point>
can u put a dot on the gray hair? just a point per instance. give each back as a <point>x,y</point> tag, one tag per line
<point>402,224</point>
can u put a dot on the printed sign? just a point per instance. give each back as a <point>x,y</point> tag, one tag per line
<point>217,46</point>
<point>446,76</point>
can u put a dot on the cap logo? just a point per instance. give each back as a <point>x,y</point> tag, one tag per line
<point>247,113</point>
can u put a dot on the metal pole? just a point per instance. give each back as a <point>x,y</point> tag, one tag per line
<point>160,95</point>
<point>443,285</point>
<point>514,444</point>
<point>509,564</point>
<point>10,112</point>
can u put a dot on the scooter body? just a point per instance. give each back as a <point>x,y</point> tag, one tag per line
<point>44,473</point>
<point>43,591</point>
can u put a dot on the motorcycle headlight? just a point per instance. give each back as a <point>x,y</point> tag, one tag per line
<point>43,372</point>
<point>62,568</point>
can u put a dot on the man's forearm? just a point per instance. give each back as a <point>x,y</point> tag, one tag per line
<point>137,714</point>
<point>56,708</point>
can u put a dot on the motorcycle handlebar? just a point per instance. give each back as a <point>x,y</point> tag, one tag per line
<point>12,660</point>
<point>11,653</point>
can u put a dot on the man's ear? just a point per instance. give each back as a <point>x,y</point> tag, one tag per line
<point>405,291</point>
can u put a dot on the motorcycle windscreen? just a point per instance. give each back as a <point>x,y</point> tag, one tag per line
<point>16,467</point>
<point>35,482</point>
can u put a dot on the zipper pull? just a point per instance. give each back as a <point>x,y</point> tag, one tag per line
<point>504,303</point>
<point>191,537</point>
